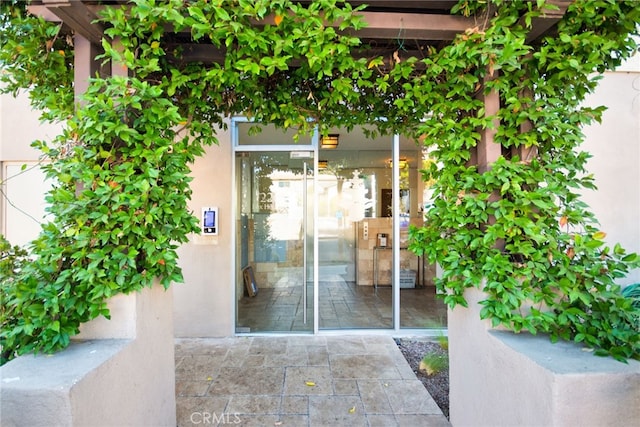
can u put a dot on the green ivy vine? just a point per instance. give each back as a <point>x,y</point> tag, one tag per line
<point>518,230</point>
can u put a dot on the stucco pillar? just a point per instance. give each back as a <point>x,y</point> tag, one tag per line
<point>85,65</point>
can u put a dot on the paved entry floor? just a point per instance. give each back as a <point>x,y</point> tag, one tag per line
<point>299,381</point>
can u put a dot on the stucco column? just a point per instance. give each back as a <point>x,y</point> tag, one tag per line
<point>85,65</point>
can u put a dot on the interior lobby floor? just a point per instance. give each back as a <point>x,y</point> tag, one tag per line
<point>342,305</point>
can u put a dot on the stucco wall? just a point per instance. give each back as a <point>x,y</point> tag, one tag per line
<point>503,379</point>
<point>19,127</point>
<point>615,146</point>
<point>101,382</point>
<point>203,305</point>
<point>21,210</point>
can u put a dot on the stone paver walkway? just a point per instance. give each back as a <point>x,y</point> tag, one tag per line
<point>299,381</point>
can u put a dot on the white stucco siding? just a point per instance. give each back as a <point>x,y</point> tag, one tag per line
<point>615,147</point>
<point>22,182</point>
<point>19,127</point>
<point>23,187</point>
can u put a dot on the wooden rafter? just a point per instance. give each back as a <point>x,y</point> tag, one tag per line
<point>208,53</point>
<point>386,25</point>
<point>549,18</point>
<point>427,21</point>
<point>77,16</point>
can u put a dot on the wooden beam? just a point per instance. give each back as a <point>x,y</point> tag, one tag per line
<point>43,12</point>
<point>549,18</point>
<point>78,17</point>
<point>488,151</point>
<point>445,5</point>
<point>395,25</point>
<point>419,22</point>
<point>410,26</point>
<point>195,52</point>
<point>118,68</point>
<point>526,154</point>
<point>208,53</point>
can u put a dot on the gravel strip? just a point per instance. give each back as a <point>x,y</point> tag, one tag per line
<point>437,384</point>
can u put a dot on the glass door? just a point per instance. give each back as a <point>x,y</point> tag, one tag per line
<point>365,277</point>
<point>274,286</point>
<point>351,177</point>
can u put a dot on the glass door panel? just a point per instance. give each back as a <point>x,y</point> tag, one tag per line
<point>350,180</point>
<point>420,308</point>
<point>352,201</point>
<point>274,288</point>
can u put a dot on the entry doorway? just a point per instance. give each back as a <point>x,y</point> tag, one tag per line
<point>308,223</point>
<point>275,241</point>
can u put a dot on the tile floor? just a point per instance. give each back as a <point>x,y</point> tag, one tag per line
<point>342,305</point>
<point>299,381</point>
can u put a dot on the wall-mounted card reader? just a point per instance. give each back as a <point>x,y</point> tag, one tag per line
<point>210,221</point>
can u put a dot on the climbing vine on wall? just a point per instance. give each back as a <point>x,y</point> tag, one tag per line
<point>35,54</point>
<point>518,230</point>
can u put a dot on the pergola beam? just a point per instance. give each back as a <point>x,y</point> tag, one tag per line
<point>210,54</point>
<point>77,16</point>
<point>488,150</point>
<point>549,18</point>
<point>401,26</point>
<point>423,22</point>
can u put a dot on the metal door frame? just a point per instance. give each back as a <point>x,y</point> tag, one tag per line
<point>395,156</point>
<point>313,147</point>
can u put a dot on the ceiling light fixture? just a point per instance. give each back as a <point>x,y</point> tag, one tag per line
<point>330,142</point>
<point>402,163</point>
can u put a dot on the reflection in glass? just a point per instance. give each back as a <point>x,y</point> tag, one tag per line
<point>273,196</point>
<point>353,198</point>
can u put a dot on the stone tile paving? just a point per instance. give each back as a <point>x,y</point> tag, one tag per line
<point>299,381</point>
